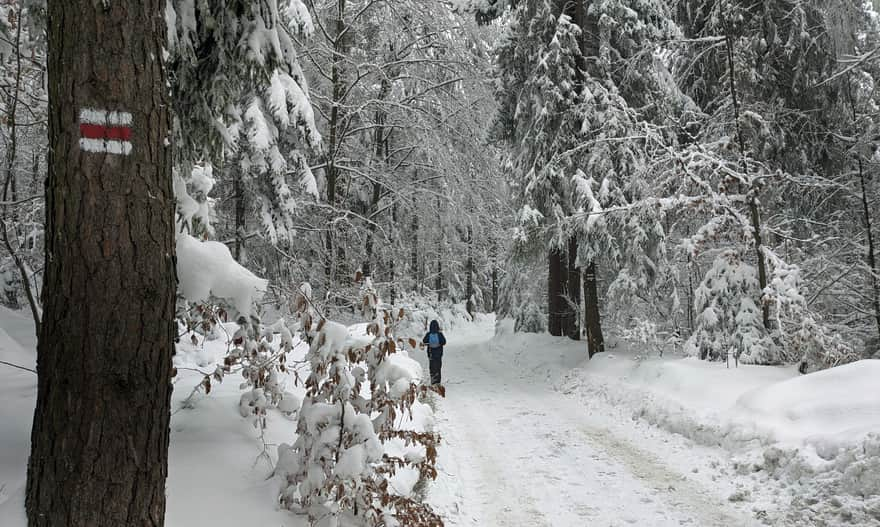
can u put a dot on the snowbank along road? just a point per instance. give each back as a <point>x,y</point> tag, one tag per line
<point>518,453</point>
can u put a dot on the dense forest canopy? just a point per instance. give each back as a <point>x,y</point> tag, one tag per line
<point>693,168</point>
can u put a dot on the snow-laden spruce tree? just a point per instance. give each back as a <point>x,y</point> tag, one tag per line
<point>241,105</point>
<point>583,91</point>
<point>728,322</point>
<point>754,147</point>
<point>539,64</point>
<point>629,102</point>
<point>399,95</point>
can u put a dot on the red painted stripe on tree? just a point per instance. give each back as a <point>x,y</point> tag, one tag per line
<point>97,131</point>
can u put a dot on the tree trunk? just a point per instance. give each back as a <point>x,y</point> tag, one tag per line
<point>866,212</point>
<point>469,284</point>
<point>556,286</point>
<point>762,263</point>
<point>438,254</point>
<point>438,282</point>
<point>240,234</point>
<point>392,269</point>
<point>595,341</point>
<point>872,255</point>
<point>332,147</point>
<point>573,300</point>
<point>495,279</point>
<point>10,176</point>
<point>414,255</point>
<point>99,446</point>
<point>753,201</point>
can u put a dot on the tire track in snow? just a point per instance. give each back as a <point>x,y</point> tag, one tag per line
<point>517,454</point>
<point>676,490</point>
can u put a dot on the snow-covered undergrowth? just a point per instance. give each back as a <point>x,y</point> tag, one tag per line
<point>419,311</point>
<point>222,464</point>
<point>808,443</point>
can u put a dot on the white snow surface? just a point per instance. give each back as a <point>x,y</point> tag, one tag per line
<point>518,452</point>
<point>828,410</point>
<point>208,268</point>
<point>218,473</point>
<point>688,442</point>
<point>534,434</point>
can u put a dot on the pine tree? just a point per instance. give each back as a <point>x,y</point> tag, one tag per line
<point>105,345</point>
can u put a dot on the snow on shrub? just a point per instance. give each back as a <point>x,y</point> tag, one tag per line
<point>420,310</point>
<point>206,269</point>
<point>337,471</point>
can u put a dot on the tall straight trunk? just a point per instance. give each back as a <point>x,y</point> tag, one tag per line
<point>35,167</point>
<point>557,277</point>
<point>381,140</point>
<point>437,253</point>
<point>238,197</point>
<point>392,269</point>
<point>573,327</point>
<point>371,229</point>
<point>595,341</point>
<point>866,217</point>
<point>438,282</point>
<point>872,255</point>
<point>332,148</point>
<point>99,446</point>
<point>469,283</point>
<point>415,267</point>
<point>10,177</point>
<point>494,277</point>
<point>754,212</point>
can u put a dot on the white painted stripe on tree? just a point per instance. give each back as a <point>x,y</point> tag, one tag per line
<point>105,145</point>
<point>103,117</point>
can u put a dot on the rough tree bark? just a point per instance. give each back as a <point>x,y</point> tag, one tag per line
<point>557,276</point>
<point>100,434</point>
<point>595,341</point>
<point>238,196</point>
<point>469,283</point>
<point>415,262</point>
<point>573,287</point>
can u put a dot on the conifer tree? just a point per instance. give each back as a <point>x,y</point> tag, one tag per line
<point>99,448</point>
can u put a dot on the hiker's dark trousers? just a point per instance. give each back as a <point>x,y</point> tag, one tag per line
<point>435,364</point>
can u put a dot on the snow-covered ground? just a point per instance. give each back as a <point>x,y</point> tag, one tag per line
<point>215,476</point>
<point>521,453</point>
<point>219,469</point>
<point>534,434</point>
<point>537,435</point>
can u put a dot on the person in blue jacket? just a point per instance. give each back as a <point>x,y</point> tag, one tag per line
<point>435,341</point>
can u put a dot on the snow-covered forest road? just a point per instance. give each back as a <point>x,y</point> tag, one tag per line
<point>516,452</point>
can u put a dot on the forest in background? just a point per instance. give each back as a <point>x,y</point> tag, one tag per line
<point>698,173</point>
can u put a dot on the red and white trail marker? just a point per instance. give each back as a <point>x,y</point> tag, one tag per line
<point>103,131</point>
